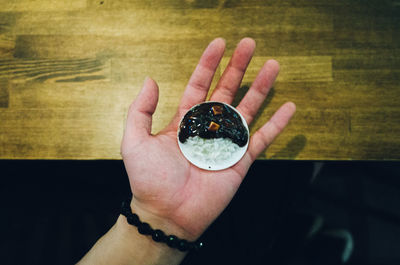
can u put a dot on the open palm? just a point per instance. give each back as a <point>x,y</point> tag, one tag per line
<point>167,189</point>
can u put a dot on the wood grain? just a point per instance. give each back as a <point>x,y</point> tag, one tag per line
<point>293,68</point>
<point>41,5</point>
<point>70,69</point>
<point>4,93</point>
<point>59,70</point>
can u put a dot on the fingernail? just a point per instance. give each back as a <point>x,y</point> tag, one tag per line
<point>215,40</point>
<point>248,39</point>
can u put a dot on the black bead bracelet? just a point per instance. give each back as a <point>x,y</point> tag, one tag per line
<point>157,235</point>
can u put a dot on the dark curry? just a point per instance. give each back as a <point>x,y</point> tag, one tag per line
<point>213,120</point>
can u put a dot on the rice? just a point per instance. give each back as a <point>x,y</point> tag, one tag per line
<point>211,151</point>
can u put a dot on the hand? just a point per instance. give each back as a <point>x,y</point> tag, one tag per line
<point>168,191</point>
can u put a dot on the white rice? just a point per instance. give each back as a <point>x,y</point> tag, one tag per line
<point>211,151</point>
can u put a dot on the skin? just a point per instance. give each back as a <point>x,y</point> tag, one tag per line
<point>169,192</point>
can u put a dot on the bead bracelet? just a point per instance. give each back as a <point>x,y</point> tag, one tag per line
<point>157,235</point>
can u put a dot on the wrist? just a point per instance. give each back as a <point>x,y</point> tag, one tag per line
<point>157,221</point>
<point>124,245</point>
<point>142,248</point>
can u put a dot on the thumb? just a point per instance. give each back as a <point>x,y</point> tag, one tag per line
<point>139,120</point>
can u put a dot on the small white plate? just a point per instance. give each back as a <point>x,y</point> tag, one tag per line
<point>187,150</point>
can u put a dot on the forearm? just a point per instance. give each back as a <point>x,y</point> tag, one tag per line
<point>124,245</point>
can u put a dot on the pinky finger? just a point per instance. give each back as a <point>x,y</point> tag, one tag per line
<point>267,133</point>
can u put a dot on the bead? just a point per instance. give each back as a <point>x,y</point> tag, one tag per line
<point>158,235</point>
<point>172,241</point>
<point>183,245</point>
<point>133,219</point>
<point>144,229</point>
<point>198,245</point>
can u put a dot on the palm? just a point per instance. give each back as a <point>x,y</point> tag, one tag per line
<point>162,180</point>
<point>177,185</point>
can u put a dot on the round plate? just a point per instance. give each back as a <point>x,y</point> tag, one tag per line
<point>187,150</point>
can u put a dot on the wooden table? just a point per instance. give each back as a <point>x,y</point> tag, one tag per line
<point>69,70</point>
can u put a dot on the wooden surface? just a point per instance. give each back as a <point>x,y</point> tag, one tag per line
<point>69,70</point>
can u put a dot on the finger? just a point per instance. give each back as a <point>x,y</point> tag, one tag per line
<point>232,77</point>
<point>258,91</point>
<point>200,81</point>
<point>269,131</point>
<point>140,112</point>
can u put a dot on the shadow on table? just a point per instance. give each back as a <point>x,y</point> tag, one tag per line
<point>292,149</point>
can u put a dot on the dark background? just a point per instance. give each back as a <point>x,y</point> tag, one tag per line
<point>52,212</point>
